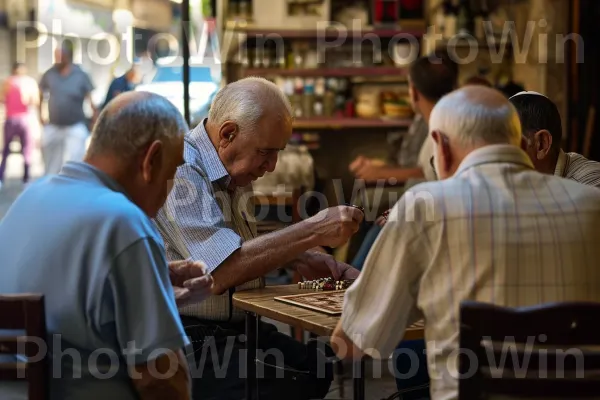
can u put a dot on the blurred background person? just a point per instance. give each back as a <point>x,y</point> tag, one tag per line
<point>20,93</point>
<point>124,83</point>
<point>68,86</point>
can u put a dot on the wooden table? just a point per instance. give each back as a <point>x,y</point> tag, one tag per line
<point>261,303</point>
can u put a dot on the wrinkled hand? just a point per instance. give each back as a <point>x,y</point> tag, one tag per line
<point>362,164</point>
<point>372,173</point>
<point>358,163</point>
<point>335,225</point>
<point>190,281</point>
<point>313,265</point>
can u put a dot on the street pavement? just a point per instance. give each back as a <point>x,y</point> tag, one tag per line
<point>13,182</point>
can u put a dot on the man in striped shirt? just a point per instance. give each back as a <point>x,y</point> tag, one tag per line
<point>491,230</point>
<point>542,129</point>
<point>209,217</point>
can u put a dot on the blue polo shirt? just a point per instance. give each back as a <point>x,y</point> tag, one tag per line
<point>99,261</point>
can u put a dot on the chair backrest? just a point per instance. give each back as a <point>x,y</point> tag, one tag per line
<point>24,313</point>
<point>541,351</point>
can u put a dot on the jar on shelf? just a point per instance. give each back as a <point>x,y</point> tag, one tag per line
<point>308,100</point>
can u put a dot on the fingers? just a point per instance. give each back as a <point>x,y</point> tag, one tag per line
<point>188,268</point>
<point>181,295</point>
<point>202,283</point>
<point>179,266</point>
<point>358,163</point>
<point>350,273</point>
<point>334,267</point>
<point>352,213</point>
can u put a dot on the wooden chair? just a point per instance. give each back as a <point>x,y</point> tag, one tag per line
<point>553,337</point>
<point>24,313</point>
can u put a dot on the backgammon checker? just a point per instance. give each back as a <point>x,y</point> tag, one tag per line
<point>325,284</point>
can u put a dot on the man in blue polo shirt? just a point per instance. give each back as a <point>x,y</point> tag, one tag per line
<point>85,239</point>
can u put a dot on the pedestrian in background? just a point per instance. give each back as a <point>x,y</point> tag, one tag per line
<point>19,95</point>
<point>65,135</point>
<point>124,83</point>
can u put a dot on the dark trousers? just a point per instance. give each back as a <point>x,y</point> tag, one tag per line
<point>18,127</point>
<point>286,368</point>
<point>411,373</point>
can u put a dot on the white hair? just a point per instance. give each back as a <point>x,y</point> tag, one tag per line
<point>245,102</point>
<point>475,116</point>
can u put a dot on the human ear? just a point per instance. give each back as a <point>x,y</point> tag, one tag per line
<point>542,140</point>
<point>227,133</point>
<point>152,162</point>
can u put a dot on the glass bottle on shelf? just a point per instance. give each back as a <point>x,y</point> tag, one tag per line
<point>440,19</point>
<point>319,97</point>
<point>480,22</point>
<point>464,19</point>
<point>308,99</point>
<point>450,23</point>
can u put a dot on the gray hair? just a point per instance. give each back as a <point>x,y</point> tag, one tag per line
<point>128,124</point>
<point>476,116</point>
<point>246,100</point>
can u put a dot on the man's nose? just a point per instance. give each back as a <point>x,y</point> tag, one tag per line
<point>271,163</point>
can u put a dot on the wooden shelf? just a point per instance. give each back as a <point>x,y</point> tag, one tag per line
<point>329,33</point>
<point>336,123</point>
<point>338,72</point>
<point>472,43</point>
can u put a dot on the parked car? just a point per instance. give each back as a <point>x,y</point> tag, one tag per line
<point>167,81</point>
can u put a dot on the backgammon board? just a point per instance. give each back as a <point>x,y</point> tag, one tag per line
<point>328,302</point>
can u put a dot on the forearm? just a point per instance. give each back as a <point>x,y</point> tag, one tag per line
<point>260,256</point>
<point>404,174</point>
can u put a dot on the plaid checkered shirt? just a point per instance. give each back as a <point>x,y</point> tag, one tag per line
<point>496,232</point>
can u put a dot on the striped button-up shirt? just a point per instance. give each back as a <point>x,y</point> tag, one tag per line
<point>578,168</point>
<point>205,221</point>
<point>496,232</point>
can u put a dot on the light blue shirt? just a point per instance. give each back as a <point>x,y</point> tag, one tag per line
<point>99,261</point>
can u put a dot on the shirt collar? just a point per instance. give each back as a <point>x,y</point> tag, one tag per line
<point>497,153</point>
<point>88,173</point>
<point>560,163</point>
<point>213,166</point>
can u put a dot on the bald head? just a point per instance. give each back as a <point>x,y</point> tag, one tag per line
<point>131,121</point>
<point>248,100</point>
<point>476,115</point>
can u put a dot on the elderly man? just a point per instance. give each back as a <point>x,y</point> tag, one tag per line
<point>207,217</point>
<point>542,129</point>
<point>480,234</point>
<point>85,239</point>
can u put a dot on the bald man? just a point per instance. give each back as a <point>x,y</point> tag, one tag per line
<point>85,239</point>
<point>209,217</point>
<point>480,233</point>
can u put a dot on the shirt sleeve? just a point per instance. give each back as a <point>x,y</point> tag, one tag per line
<point>142,303</point>
<point>380,305</point>
<point>192,223</point>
